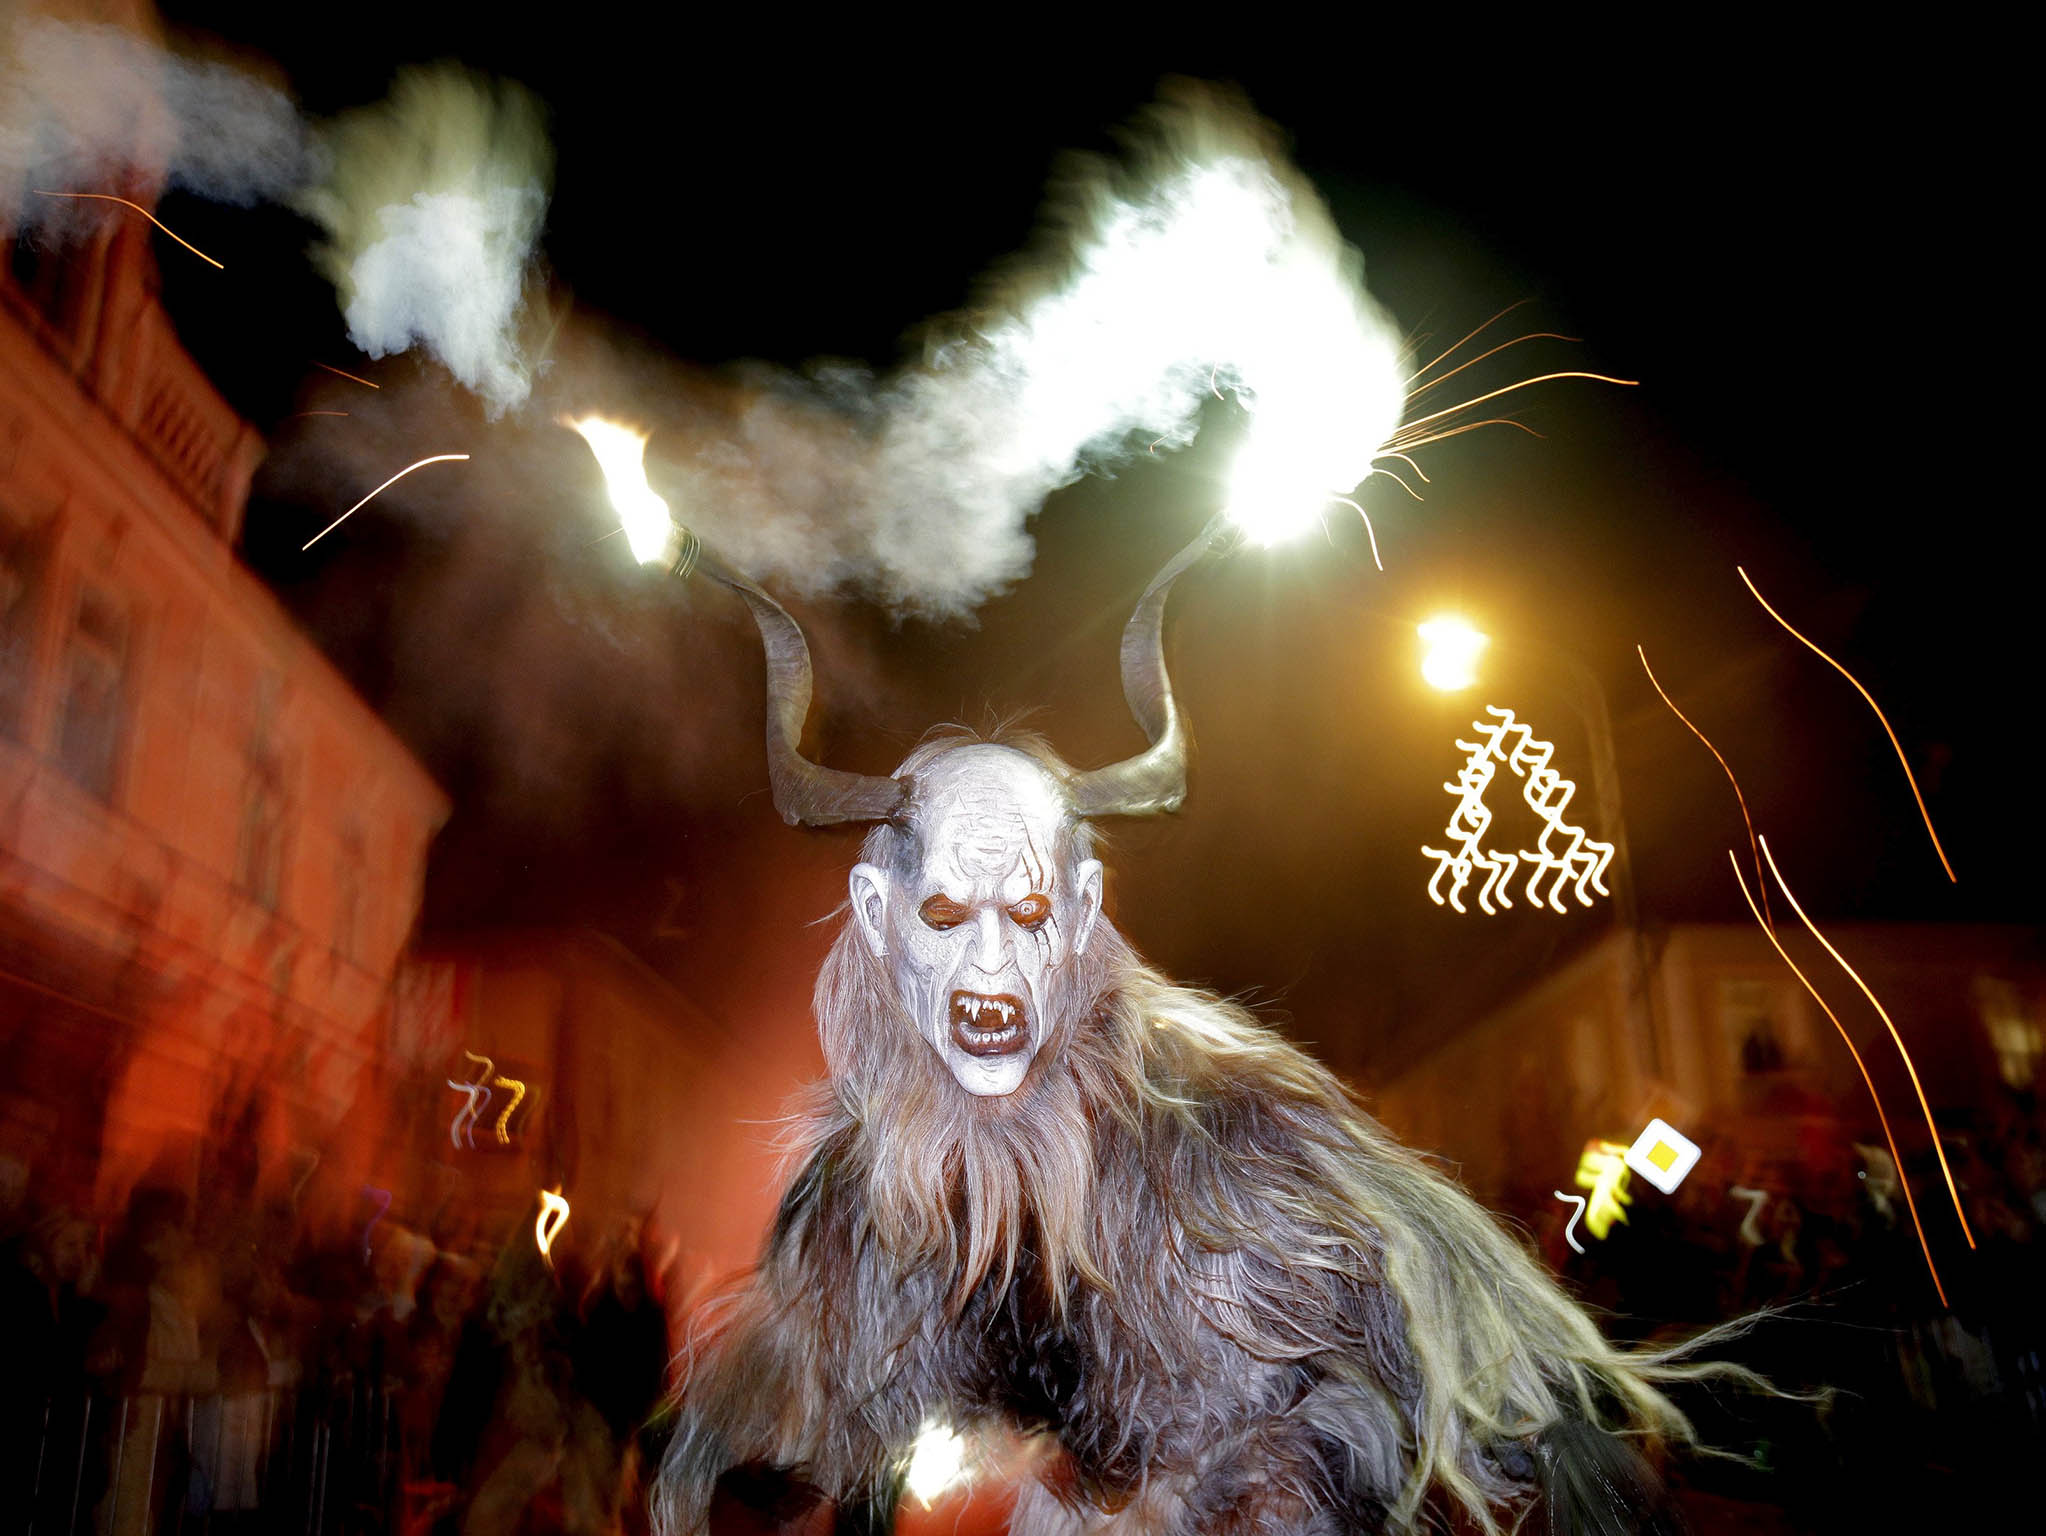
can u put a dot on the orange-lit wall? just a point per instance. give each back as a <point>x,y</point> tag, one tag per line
<point>211,850</point>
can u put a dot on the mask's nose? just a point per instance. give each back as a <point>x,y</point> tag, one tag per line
<point>990,949</point>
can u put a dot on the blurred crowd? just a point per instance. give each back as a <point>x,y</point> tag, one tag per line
<point>187,1367</point>
<point>194,1369</point>
<point>1913,1402</point>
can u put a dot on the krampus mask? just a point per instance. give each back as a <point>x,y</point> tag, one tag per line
<point>1047,1193</point>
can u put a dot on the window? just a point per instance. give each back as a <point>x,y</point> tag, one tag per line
<point>22,562</point>
<point>260,864</point>
<point>94,720</point>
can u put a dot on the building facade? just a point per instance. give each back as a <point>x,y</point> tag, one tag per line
<point>211,850</point>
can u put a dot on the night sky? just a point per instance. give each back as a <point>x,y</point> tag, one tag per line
<point>1801,247</point>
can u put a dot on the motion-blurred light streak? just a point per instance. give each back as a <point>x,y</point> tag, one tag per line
<point>1910,778</point>
<point>1581,863</point>
<point>548,1224</point>
<point>344,373</point>
<point>1602,1169</point>
<point>462,1131</point>
<point>1860,1066</point>
<point>108,197</point>
<point>504,1118</point>
<point>1757,1199</point>
<point>1909,1066</point>
<point>1570,1230</point>
<point>438,458</point>
<point>1768,920</point>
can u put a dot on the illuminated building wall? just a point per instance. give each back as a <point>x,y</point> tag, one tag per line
<point>210,849</point>
<point>1740,1051</point>
<point>635,1102</point>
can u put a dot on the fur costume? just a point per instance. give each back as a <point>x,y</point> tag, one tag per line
<point>1046,1190</point>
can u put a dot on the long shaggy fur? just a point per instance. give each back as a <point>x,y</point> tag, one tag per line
<point>1181,1252</point>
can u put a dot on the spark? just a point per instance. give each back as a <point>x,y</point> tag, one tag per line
<point>438,458</point>
<point>937,1460</point>
<point>1369,532</point>
<point>1910,777</point>
<point>1570,1231</point>
<point>621,454</point>
<point>504,1120</point>
<point>1404,435</point>
<point>1860,1066</point>
<point>1467,337</point>
<point>1422,389</point>
<point>316,413</point>
<point>1768,919</point>
<point>548,1224</point>
<point>108,197</point>
<point>344,373</point>
<point>1909,1066</point>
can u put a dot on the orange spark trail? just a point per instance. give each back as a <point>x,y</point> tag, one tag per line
<point>108,197</point>
<point>319,413</point>
<point>1505,389</point>
<point>438,458</point>
<point>1768,920</point>
<point>1895,1156</point>
<point>1908,1065</point>
<point>1908,775</point>
<point>345,374</point>
<point>1422,389</point>
<point>1414,377</point>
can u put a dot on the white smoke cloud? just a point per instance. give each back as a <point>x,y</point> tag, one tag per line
<point>98,108</point>
<point>1201,264</point>
<point>432,203</point>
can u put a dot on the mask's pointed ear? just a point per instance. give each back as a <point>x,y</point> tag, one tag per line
<point>870,906</point>
<point>1089,894</point>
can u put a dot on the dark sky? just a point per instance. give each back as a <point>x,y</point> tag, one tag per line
<point>1803,248</point>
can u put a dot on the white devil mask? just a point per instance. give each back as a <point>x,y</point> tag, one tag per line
<point>979,936</point>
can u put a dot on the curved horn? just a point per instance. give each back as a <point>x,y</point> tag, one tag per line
<point>804,792</point>
<point>1155,779</point>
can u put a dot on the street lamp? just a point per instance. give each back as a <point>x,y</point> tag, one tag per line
<point>1450,664</point>
<point>1451,660</point>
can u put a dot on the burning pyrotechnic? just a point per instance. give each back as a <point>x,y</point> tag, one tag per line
<point>463,1128</point>
<point>937,1461</point>
<point>548,1224</point>
<point>621,454</point>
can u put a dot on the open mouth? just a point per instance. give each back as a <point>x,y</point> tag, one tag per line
<point>989,1024</point>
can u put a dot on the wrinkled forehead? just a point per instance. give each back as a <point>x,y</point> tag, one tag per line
<point>986,812</point>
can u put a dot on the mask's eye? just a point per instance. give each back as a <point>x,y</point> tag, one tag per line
<point>941,911</point>
<point>1031,912</point>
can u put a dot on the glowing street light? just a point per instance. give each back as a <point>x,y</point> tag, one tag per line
<point>1451,661</point>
